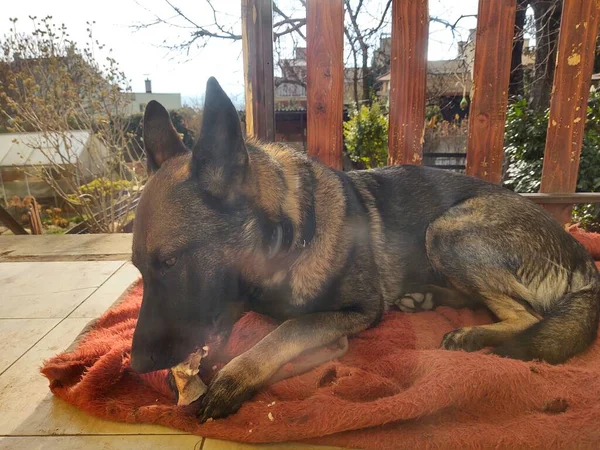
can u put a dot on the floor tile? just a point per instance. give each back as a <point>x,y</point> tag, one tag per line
<point>18,335</point>
<point>217,444</point>
<point>34,297</point>
<point>42,305</point>
<point>28,408</point>
<point>32,278</point>
<point>108,293</point>
<point>102,442</point>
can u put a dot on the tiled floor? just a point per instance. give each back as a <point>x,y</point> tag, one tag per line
<point>43,307</point>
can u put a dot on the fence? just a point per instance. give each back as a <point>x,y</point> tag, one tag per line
<point>410,21</point>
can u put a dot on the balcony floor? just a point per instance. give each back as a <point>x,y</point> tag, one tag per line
<point>51,287</point>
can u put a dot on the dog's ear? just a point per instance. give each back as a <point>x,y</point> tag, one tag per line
<point>220,159</point>
<point>161,140</point>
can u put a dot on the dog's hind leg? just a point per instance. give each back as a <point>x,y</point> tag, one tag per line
<point>464,248</point>
<point>514,318</point>
<point>540,283</point>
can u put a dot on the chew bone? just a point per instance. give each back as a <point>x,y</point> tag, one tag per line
<point>189,385</point>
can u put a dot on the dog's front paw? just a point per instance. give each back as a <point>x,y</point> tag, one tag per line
<point>468,339</point>
<point>233,385</point>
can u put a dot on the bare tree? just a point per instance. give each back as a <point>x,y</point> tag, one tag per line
<point>361,41</point>
<point>545,27</point>
<point>366,19</point>
<point>52,87</point>
<point>546,15</point>
<point>516,86</point>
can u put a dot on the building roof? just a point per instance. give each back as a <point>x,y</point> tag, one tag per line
<point>25,149</point>
<point>385,77</point>
<point>447,66</point>
<point>443,66</point>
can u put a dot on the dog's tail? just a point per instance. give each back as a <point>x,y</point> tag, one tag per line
<point>568,328</point>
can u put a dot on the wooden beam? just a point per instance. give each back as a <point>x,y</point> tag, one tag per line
<point>62,247</point>
<point>574,198</point>
<point>10,222</point>
<point>257,43</point>
<point>568,106</point>
<point>491,74</point>
<point>325,80</point>
<point>408,84</point>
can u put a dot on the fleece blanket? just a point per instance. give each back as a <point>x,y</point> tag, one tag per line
<point>393,388</point>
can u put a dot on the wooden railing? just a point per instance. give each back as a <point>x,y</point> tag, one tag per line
<point>117,211</point>
<point>485,148</point>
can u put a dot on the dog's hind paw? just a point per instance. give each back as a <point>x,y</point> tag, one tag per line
<point>468,339</point>
<point>415,302</point>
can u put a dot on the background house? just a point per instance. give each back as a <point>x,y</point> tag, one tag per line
<point>448,80</point>
<point>449,84</point>
<point>139,100</point>
<point>22,154</point>
<point>290,98</point>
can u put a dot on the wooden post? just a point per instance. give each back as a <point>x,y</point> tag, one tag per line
<point>325,80</point>
<point>257,43</point>
<point>408,84</point>
<point>491,74</point>
<point>572,79</point>
<point>35,221</point>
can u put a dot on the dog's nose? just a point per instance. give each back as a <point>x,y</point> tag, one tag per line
<point>150,356</point>
<point>142,363</point>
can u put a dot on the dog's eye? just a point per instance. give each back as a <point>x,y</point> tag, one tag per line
<point>170,262</point>
<point>275,241</point>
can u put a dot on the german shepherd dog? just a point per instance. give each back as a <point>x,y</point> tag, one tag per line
<point>232,226</point>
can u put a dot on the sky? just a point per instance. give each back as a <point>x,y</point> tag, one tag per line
<point>142,53</point>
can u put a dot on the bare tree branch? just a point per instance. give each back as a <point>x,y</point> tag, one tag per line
<point>299,23</point>
<point>376,29</point>
<point>451,26</point>
<point>180,13</point>
<point>216,23</point>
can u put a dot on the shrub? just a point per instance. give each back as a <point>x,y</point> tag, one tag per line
<point>525,140</point>
<point>52,217</point>
<point>101,190</point>
<point>366,136</point>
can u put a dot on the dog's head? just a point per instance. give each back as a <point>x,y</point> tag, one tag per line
<point>196,225</point>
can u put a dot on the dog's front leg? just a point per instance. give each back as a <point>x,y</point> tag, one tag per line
<point>247,373</point>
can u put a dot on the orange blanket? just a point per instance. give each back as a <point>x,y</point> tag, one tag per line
<point>394,388</point>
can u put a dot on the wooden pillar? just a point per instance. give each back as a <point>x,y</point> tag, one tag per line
<point>325,80</point>
<point>491,74</point>
<point>572,79</point>
<point>35,221</point>
<point>408,84</point>
<point>257,42</point>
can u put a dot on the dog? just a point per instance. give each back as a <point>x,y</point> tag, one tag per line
<point>235,225</point>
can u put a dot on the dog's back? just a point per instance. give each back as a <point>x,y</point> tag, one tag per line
<point>408,199</point>
<point>490,244</point>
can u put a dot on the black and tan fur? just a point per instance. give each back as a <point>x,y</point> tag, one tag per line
<point>233,225</point>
